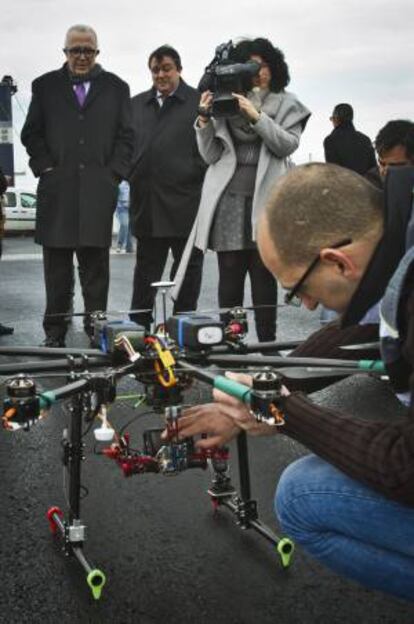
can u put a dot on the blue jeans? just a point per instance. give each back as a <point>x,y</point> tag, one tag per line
<point>347,526</point>
<point>124,235</point>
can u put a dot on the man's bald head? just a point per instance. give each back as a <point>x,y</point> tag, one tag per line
<point>318,204</point>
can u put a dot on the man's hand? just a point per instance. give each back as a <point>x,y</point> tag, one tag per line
<point>222,420</point>
<point>240,413</point>
<point>207,419</point>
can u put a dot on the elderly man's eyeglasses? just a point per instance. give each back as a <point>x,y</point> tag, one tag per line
<point>292,297</point>
<point>78,51</point>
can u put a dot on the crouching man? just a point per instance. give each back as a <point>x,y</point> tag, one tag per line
<point>327,239</point>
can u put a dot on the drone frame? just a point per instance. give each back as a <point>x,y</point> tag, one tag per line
<point>78,363</point>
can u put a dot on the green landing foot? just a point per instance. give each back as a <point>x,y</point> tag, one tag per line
<point>96,579</point>
<point>285,548</point>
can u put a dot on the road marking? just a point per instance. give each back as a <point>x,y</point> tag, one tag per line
<point>11,258</point>
<point>39,256</point>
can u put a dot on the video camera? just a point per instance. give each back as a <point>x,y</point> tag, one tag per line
<point>223,77</point>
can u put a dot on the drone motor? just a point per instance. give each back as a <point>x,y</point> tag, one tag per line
<point>21,406</point>
<point>266,397</point>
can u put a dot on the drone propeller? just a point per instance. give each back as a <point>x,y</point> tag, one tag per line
<point>53,365</point>
<point>44,375</point>
<point>300,373</point>
<point>97,312</point>
<point>317,372</point>
<point>231,309</point>
<point>51,351</point>
<point>376,366</point>
<point>256,347</point>
<point>374,346</point>
<point>147,310</point>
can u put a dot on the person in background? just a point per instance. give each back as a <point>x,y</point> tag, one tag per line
<point>349,148</point>
<point>4,330</point>
<point>79,137</point>
<point>165,183</point>
<point>124,242</point>
<point>394,145</point>
<point>346,146</point>
<point>247,153</point>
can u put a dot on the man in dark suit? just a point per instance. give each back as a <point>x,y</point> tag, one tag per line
<point>165,182</point>
<point>345,146</point>
<point>79,138</point>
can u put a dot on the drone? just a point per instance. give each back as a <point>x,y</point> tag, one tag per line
<point>165,362</point>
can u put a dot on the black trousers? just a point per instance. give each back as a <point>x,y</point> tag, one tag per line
<point>151,258</point>
<point>58,273</point>
<point>233,268</point>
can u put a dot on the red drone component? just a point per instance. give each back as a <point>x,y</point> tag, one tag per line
<point>130,464</point>
<point>113,452</point>
<point>236,328</point>
<point>215,502</point>
<point>215,453</point>
<point>138,464</point>
<point>52,512</point>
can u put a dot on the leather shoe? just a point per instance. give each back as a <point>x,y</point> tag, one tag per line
<point>93,343</point>
<point>54,343</point>
<point>6,331</point>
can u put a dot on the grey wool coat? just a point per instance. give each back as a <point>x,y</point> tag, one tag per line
<point>279,129</point>
<point>88,150</point>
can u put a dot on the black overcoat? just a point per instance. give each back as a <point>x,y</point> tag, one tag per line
<point>168,172</point>
<point>89,150</point>
<point>349,148</point>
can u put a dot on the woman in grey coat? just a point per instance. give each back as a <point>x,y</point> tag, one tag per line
<point>246,154</point>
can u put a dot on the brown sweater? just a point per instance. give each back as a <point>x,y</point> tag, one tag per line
<point>380,453</point>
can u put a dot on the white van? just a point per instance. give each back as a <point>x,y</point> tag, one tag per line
<point>20,210</point>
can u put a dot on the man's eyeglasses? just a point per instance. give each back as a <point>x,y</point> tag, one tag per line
<point>292,297</point>
<point>78,51</point>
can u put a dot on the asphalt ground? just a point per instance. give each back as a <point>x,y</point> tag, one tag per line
<point>167,556</point>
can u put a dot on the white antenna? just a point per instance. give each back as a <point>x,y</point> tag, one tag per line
<point>162,287</point>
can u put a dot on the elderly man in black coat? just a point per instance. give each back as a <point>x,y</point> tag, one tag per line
<point>79,137</point>
<point>166,182</point>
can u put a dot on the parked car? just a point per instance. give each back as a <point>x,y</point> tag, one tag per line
<point>20,210</point>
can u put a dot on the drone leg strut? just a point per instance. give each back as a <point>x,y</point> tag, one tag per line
<point>73,531</point>
<point>245,508</point>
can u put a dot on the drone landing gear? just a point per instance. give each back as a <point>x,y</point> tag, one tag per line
<point>244,508</point>
<point>72,530</point>
<point>73,536</point>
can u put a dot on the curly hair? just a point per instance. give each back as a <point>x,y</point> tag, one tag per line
<point>274,57</point>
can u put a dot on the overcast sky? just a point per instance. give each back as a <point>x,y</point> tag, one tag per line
<point>337,51</point>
